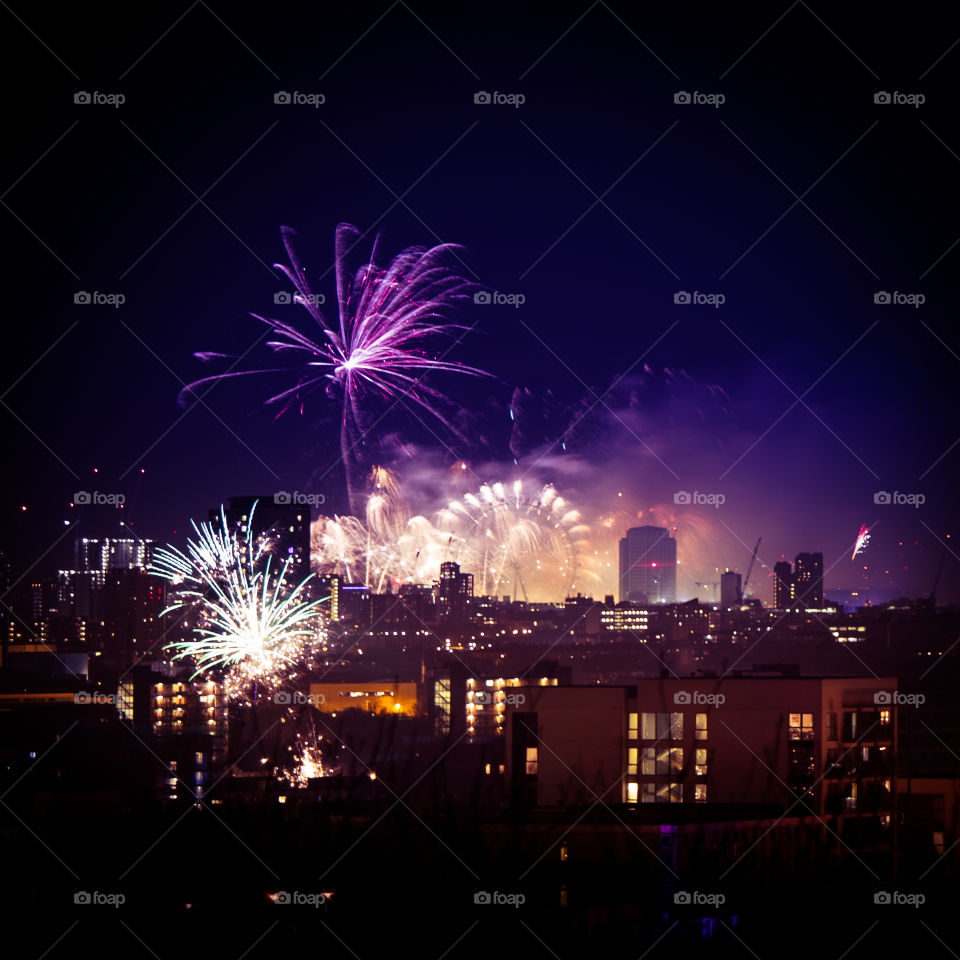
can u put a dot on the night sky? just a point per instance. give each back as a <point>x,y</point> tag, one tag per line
<point>597,199</point>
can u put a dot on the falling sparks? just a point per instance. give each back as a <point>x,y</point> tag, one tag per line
<point>247,622</point>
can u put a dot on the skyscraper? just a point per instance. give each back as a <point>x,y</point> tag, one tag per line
<point>648,566</point>
<point>730,589</point>
<point>801,587</point>
<point>808,579</point>
<point>783,593</point>
<point>453,591</point>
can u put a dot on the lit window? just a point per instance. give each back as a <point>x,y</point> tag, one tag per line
<point>801,726</point>
<point>632,761</point>
<point>632,789</point>
<point>701,731</point>
<point>701,762</point>
<point>649,767</point>
<point>486,769</point>
<point>700,792</point>
<point>884,718</point>
<point>662,726</point>
<point>564,850</point>
<point>532,761</point>
<point>632,726</point>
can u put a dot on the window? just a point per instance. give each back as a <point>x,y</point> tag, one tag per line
<point>801,726</point>
<point>564,850</point>
<point>486,769</point>
<point>632,789</point>
<point>831,726</point>
<point>669,792</point>
<point>701,762</point>
<point>701,731</point>
<point>884,718</point>
<point>632,761</point>
<point>632,726</point>
<point>700,792</point>
<point>649,767</point>
<point>850,800</point>
<point>532,761</point>
<point>662,726</point>
<point>649,793</point>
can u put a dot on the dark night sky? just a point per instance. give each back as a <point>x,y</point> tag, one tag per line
<point>105,199</point>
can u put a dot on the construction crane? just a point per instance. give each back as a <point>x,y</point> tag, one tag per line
<point>746,579</point>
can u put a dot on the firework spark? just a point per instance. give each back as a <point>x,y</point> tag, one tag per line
<point>385,316</point>
<point>863,539</point>
<point>247,622</point>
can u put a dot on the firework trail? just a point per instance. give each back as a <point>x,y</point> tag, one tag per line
<point>248,623</point>
<point>377,348</point>
<point>863,539</point>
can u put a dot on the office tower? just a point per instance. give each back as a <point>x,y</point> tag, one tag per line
<point>730,589</point>
<point>783,585</point>
<point>286,524</point>
<point>453,590</point>
<point>648,566</point>
<point>808,580</point>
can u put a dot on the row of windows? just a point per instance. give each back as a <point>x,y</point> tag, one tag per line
<point>663,761</point>
<point>663,792</point>
<point>663,726</point>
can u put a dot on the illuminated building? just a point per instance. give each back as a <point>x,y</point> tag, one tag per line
<point>454,589</point>
<point>730,589</point>
<point>330,585</point>
<point>624,618</point>
<point>803,587</point>
<point>783,585</point>
<point>808,576</point>
<point>648,566</point>
<point>394,697</point>
<point>767,741</point>
<point>111,553</point>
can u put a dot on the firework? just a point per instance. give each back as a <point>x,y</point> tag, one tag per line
<point>248,624</point>
<point>377,348</point>
<point>534,544</point>
<point>863,538</point>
